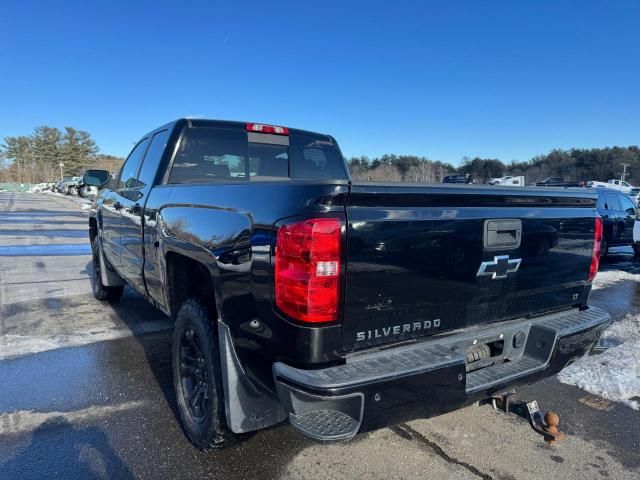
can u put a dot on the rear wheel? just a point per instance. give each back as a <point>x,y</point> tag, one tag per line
<point>111,294</point>
<point>197,379</point>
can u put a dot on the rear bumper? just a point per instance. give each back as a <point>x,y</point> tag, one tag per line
<point>423,380</point>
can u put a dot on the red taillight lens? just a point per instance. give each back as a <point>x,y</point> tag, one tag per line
<point>308,269</point>
<point>597,243</point>
<point>272,129</point>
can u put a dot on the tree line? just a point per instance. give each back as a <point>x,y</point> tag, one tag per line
<point>577,164</point>
<point>398,168</point>
<point>36,158</point>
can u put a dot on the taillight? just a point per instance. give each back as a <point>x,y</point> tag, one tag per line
<point>272,129</point>
<point>308,269</point>
<point>597,243</point>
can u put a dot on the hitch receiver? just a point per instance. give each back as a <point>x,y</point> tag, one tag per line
<point>546,426</point>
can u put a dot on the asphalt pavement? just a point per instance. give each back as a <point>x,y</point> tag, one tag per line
<point>86,390</point>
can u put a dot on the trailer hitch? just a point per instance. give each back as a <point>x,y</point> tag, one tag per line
<point>546,426</point>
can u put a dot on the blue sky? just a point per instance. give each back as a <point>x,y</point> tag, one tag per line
<point>443,79</point>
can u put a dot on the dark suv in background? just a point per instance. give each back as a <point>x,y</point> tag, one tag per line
<point>618,212</point>
<point>462,178</point>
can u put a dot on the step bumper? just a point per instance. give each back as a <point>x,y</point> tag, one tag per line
<point>426,379</point>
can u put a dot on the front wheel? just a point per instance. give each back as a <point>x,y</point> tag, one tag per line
<point>197,379</point>
<point>111,294</point>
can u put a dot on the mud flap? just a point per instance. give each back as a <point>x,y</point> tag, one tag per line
<point>248,407</point>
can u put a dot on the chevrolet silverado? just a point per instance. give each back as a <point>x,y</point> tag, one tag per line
<point>341,307</point>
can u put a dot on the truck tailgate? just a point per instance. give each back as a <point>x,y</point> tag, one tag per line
<point>428,259</point>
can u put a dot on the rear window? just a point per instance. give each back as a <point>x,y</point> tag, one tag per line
<point>218,154</point>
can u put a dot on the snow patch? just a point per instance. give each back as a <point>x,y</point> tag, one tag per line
<point>611,277</point>
<point>12,346</point>
<point>28,420</point>
<point>614,374</point>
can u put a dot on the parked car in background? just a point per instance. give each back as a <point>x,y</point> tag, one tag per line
<point>255,240</point>
<point>620,185</point>
<point>69,185</point>
<point>509,180</point>
<point>76,186</point>
<point>61,185</point>
<point>558,182</point>
<point>40,187</point>
<point>619,214</point>
<point>462,178</point>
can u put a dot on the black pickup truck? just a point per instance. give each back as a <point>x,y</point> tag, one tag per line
<point>341,307</point>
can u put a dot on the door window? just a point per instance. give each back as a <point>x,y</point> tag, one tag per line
<point>627,205</point>
<point>152,158</point>
<point>611,201</point>
<point>130,168</point>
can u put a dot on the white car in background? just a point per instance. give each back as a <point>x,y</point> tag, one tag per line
<point>624,187</point>
<point>509,180</point>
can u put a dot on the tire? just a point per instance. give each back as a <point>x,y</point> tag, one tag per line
<point>197,379</point>
<point>102,293</point>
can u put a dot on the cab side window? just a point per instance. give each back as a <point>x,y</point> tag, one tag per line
<point>130,168</point>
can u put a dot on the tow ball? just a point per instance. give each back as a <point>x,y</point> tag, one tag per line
<point>546,425</point>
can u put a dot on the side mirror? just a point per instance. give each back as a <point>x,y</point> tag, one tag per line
<point>96,178</point>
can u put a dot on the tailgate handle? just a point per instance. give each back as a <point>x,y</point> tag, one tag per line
<point>502,234</point>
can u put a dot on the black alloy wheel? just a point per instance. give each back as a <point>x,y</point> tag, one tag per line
<point>194,377</point>
<point>197,377</point>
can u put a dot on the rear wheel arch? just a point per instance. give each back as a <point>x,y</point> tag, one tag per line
<point>187,278</point>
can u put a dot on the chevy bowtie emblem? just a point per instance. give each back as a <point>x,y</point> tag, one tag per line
<point>499,267</point>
